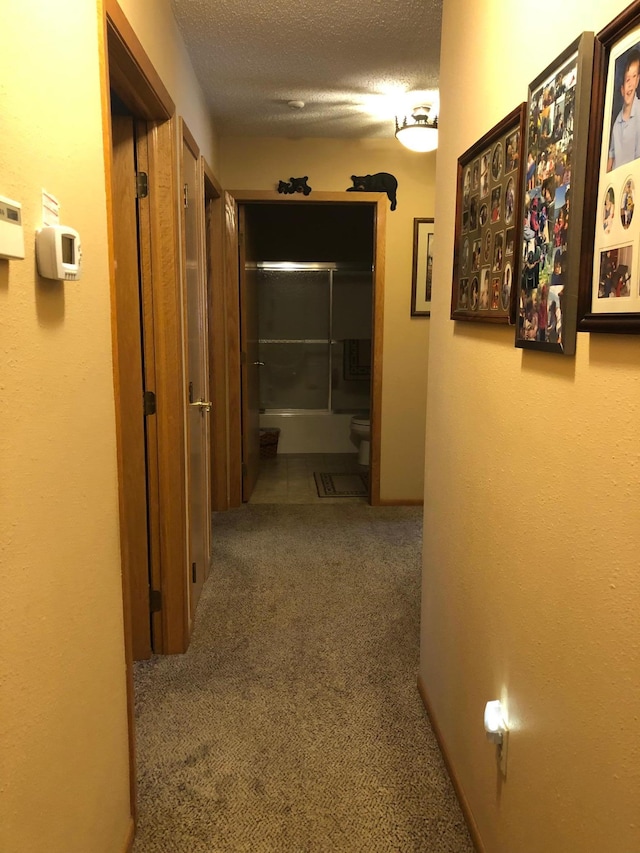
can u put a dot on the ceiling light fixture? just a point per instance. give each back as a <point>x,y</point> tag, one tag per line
<point>416,131</point>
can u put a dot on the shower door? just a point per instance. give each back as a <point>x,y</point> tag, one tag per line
<point>314,338</point>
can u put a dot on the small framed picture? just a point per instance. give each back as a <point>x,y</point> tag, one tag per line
<point>609,298</point>
<point>487,226</point>
<point>548,252</point>
<point>423,265</point>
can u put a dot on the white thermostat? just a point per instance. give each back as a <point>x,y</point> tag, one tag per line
<point>11,233</point>
<point>58,253</point>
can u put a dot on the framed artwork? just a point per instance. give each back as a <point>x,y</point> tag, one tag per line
<point>609,298</point>
<point>553,192</point>
<point>422,267</point>
<point>488,225</point>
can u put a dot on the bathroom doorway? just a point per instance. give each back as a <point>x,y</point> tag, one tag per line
<point>309,340</point>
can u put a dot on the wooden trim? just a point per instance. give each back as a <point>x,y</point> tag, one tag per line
<point>130,837</point>
<point>464,803</point>
<point>132,75</point>
<point>216,299</point>
<point>402,502</point>
<point>189,138</point>
<point>379,261</point>
<point>272,196</point>
<point>128,63</point>
<point>127,309</point>
<point>105,102</point>
<point>146,288</point>
<point>269,196</point>
<point>212,185</point>
<point>232,282</point>
<point>170,397</point>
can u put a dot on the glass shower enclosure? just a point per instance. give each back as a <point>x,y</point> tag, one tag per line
<point>315,322</point>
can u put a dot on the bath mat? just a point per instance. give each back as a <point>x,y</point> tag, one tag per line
<point>341,485</point>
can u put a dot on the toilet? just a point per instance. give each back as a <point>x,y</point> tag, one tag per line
<point>361,436</point>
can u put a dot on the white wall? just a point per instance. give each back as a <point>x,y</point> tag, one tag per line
<point>530,579</point>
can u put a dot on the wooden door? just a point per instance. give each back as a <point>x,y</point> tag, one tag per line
<point>129,349</point>
<point>197,379</point>
<point>250,363</point>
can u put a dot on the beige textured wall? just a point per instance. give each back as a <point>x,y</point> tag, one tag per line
<point>64,768</point>
<point>259,164</point>
<point>158,32</point>
<point>531,581</point>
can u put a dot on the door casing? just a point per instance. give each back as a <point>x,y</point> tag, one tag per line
<point>237,197</point>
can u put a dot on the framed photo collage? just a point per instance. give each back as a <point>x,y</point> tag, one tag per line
<point>547,235</point>
<point>488,224</point>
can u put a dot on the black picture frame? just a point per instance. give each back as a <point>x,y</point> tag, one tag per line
<point>488,224</point>
<point>609,296</point>
<point>553,192</point>
<point>422,275</point>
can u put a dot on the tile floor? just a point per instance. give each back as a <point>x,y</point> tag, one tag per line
<point>288,478</point>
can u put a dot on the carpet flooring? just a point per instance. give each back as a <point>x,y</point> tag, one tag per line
<point>293,723</point>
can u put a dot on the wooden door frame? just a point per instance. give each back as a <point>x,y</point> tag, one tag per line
<point>217,308</point>
<point>186,138</point>
<point>126,68</point>
<point>378,201</point>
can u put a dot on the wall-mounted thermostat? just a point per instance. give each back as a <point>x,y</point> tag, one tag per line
<point>58,253</point>
<point>11,233</point>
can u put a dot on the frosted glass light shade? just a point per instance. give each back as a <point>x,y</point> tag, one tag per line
<point>416,132</point>
<point>418,138</point>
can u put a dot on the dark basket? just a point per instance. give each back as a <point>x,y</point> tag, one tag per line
<point>269,442</point>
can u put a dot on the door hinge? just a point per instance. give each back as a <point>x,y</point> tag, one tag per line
<point>194,572</point>
<point>186,195</point>
<point>149,399</point>
<point>155,600</point>
<point>142,185</point>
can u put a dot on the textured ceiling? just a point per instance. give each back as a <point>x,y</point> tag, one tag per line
<point>354,64</point>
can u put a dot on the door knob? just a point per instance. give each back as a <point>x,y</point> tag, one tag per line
<point>259,363</point>
<point>203,405</point>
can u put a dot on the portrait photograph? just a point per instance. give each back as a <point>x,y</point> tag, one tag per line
<point>484,290</point>
<point>624,117</point>
<point>466,187</point>
<point>476,255</point>
<point>497,160</point>
<point>505,293</point>
<point>608,209</point>
<point>509,201</point>
<point>474,296</point>
<point>509,241</point>
<point>627,203</point>
<point>473,213</point>
<point>609,290</point>
<point>512,146</point>
<point>483,216</point>
<point>487,246</point>
<point>496,203</point>
<point>498,251</point>
<point>464,292</point>
<point>475,176</point>
<point>495,294</point>
<point>615,273</point>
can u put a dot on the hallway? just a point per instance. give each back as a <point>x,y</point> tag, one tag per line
<point>293,724</point>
